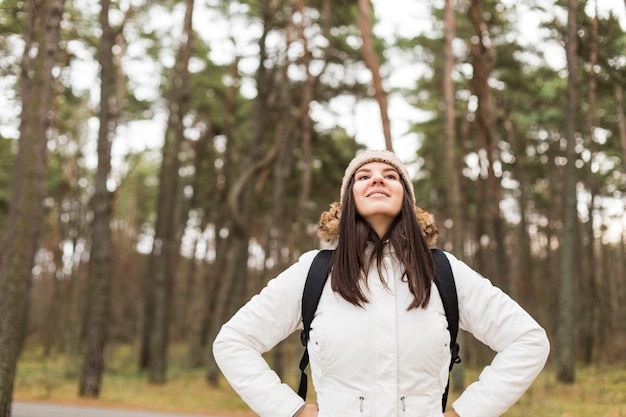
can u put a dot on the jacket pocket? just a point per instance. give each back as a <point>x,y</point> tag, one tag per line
<point>419,406</point>
<point>334,403</point>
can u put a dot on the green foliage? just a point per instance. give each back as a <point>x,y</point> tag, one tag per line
<point>135,196</point>
<point>12,13</point>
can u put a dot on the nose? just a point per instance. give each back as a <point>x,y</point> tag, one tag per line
<point>377,178</point>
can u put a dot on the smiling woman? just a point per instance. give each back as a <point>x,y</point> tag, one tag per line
<point>378,312</point>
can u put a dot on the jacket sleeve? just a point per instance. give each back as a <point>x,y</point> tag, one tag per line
<point>499,322</point>
<point>257,327</point>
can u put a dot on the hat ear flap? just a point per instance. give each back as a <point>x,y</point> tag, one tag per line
<point>426,221</point>
<point>329,223</point>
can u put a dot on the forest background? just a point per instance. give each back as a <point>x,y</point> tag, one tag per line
<point>160,161</point>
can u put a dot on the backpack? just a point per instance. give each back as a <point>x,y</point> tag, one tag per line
<point>316,278</point>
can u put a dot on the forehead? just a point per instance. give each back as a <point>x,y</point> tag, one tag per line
<point>376,166</point>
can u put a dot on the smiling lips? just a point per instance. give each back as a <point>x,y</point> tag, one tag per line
<point>378,194</point>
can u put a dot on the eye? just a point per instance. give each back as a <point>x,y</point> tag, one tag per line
<point>391,176</point>
<point>362,177</point>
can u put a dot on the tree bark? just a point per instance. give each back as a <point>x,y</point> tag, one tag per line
<point>453,189</point>
<point>235,274</point>
<point>164,255</point>
<point>590,303</point>
<point>523,280</point>
<point>565,334</point>
<point>621,120</point>
<point>20,241</point>
<point>483,58</point>
<point>371,60</point>
<point>97,307</point>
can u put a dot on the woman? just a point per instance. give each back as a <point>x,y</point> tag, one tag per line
<point>379,341</point>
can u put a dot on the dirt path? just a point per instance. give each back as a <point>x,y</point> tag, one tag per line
<point>25,409</point>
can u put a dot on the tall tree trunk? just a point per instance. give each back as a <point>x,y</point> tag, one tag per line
<point>240,195</point>
<point>371,60</point>
<point>483,58</point>
<point>211,280</point>
<point>300,238</point>
<point>164,255</point>
<point>523,280</point>
<point>453,194</point>
<point>216,286</point>
<point>23,228</point>
<point>97,306</point>
<point>453,190</point>
<point>194,302</point>
<point>307,131</point>
<point>565,342</point>
<point>588,304</point>
<point>621,120</point>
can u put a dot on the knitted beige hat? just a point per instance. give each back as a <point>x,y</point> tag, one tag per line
<point>329,220</point>
<point>366,157</point>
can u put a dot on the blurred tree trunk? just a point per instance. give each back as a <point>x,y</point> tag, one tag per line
<point>194,299</point>
<point>164,257</point>
<point>57,298</point>
<point>589,303</point>
<point>306,151</point>
<point>302,238</point>
<point>212,280</point>
<point>235,273</point>
<point>98,298</point>
<point>483,59</point>
<point>277,235</point>
<point>523,279</point>
<point>20,240</point>
<point>565,335</point>
<point>621,120</point>
<point>216,287</point>
<point>453,189</point>
<point>285,132</point>
<point>370,57</point>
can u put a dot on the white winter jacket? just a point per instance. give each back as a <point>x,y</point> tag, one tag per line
<point>381,360</point>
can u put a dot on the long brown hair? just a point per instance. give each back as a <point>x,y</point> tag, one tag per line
<point>350,265</point>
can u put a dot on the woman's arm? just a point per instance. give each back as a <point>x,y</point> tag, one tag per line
<point>308,410</point>
<point>520,342</point>
<point>257,327</point>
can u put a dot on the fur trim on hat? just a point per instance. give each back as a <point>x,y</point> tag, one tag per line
<point>368,156</point>
<point>329,224</point>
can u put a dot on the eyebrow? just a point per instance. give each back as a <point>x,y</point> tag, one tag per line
<point>369,170</point>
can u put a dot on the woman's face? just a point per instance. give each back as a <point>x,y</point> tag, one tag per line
<point>378,194</point>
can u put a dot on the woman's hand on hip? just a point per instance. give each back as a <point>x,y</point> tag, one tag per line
<point>309,410</point>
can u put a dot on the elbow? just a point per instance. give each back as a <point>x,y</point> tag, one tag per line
<point>219,347</point>
<point>540,346</point>
<point>545,345</point>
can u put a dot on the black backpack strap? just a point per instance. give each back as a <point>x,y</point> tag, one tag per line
<point>315,280</point>
<point>444,280</point>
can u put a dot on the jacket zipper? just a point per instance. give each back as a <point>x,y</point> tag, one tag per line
<point>361,398</point>
<point>403,405</point>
